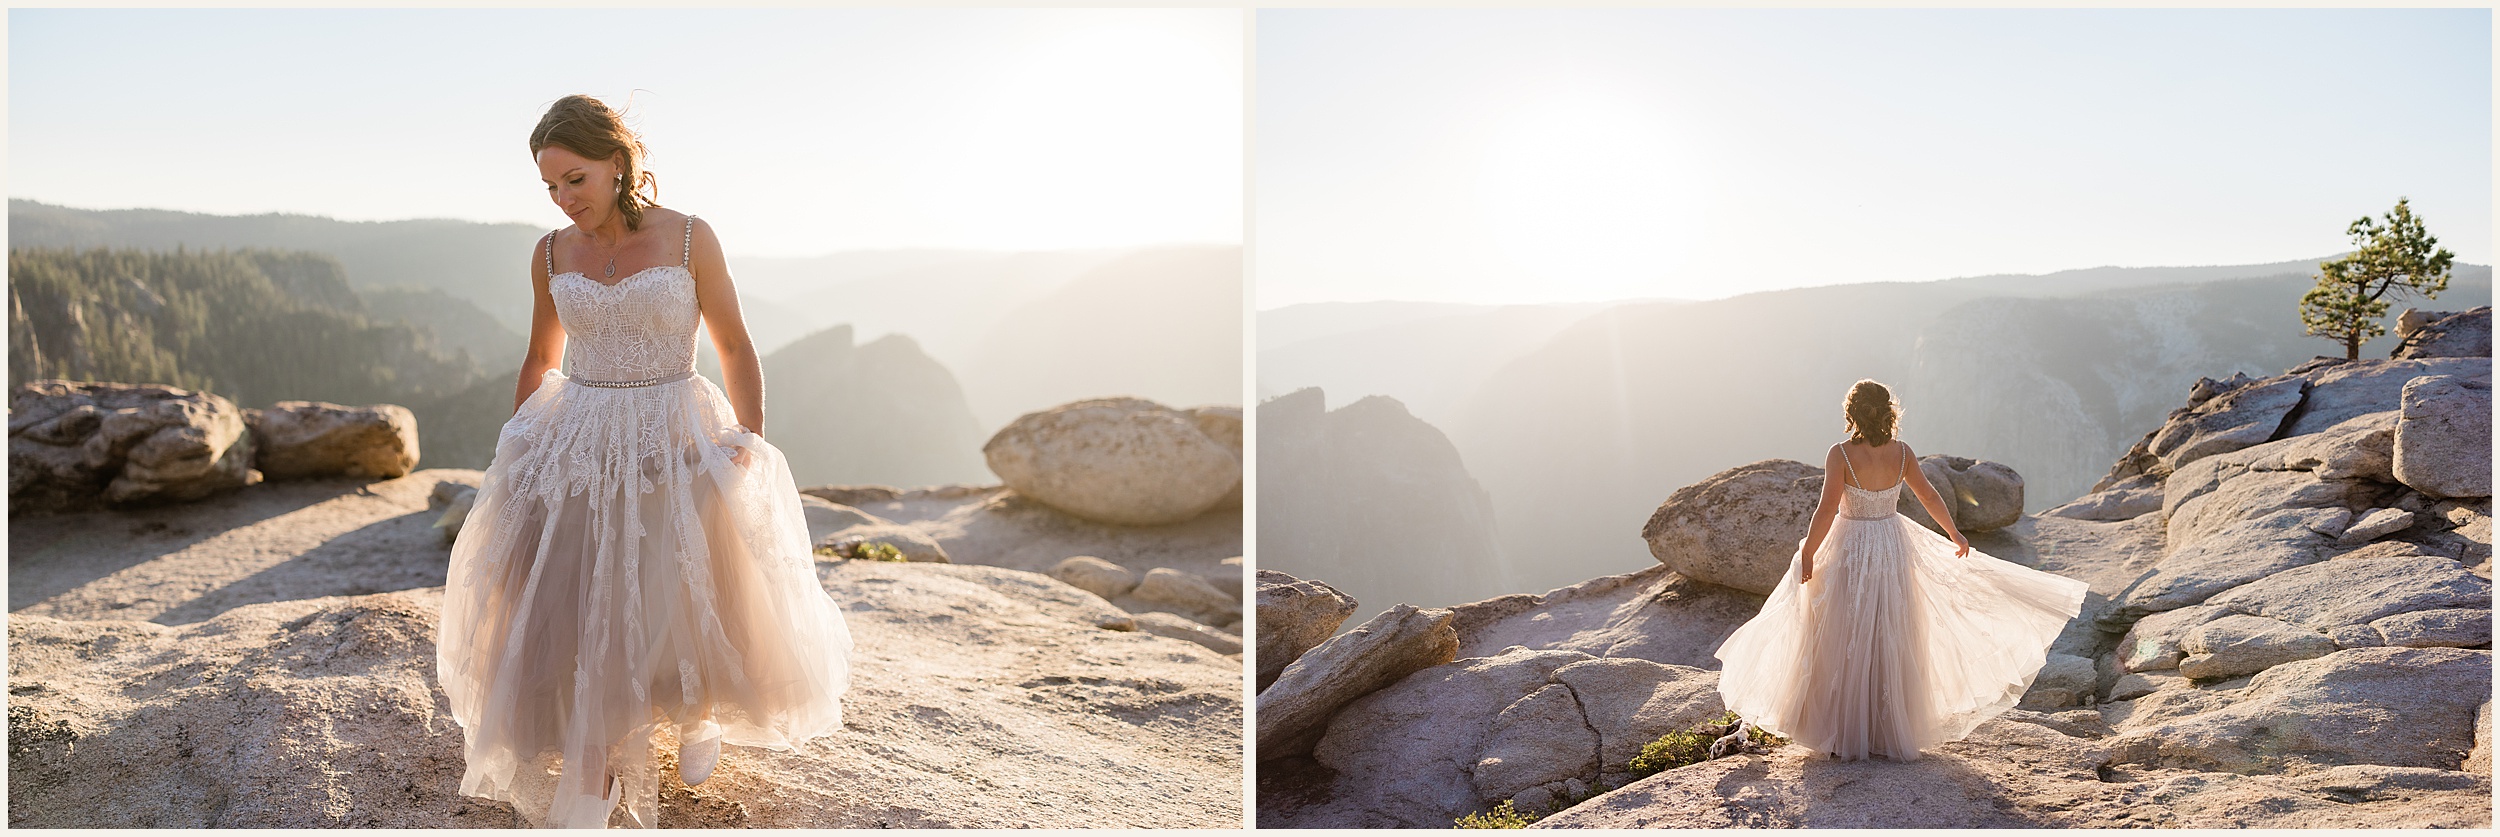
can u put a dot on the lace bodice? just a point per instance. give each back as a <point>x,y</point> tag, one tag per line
<point>1862,504</point>
<point>639,328</point>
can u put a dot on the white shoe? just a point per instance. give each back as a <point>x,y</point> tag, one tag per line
<point>698,749</point>
<point>587,810</point>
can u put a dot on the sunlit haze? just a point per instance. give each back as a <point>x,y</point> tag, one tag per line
<point>797,132</point>
<point>1504,156</point>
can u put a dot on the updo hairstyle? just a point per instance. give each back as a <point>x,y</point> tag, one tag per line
<point>1873,415</point>
<point>586,126</point>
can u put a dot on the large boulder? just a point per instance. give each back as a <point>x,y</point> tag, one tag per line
<point>1630,702</point>
<point>1295,616</point>
<point>1740,527</point>
<point>2402,707</point>
<point>2354,388</point>
<point>308,439</point>
<point>2239,645</point>
<point>2215,495</point>
<point>1536,740</point>
<point>2456,627</point>
<point>2444,333</point>
<point>2063,680</point>
<point>2240,553</point>
<point>74,445</point>
<point>1127,461</point>
<point>2443,441</point>
<point>1983,495</point>
<point>1293,711</point>
<point>2358,591</point>
<point>1417,744</point>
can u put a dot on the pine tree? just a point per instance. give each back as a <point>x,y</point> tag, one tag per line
<point>2348,304</point>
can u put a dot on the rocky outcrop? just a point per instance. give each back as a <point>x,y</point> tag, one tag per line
<point>2023,771</point>
<point>307,439</point>
<point>265,658</point>
<point>1125,461</point>
<point>2240,413</point>
<point>1295,616</point>
<point>2137,496</point>
<point>996,526</point>
<point>78,445</point>
<point>1741,527</point>
<point>2428,334</point>
<point>2349,389</point>
<point>1983,495</point>
<point>2443,440</point>
<point>2400,707</point>
<point>1294,710</point>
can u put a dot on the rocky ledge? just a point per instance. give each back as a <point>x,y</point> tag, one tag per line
<point>264,657</point>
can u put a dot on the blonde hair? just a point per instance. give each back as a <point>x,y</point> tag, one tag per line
<point>586,126</point>
<point>1872,414</point>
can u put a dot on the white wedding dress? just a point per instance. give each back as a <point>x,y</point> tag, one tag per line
<point>1897,644</point>
<point>619,571</point>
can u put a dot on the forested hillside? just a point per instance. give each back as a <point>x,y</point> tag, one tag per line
<point>256,326</point>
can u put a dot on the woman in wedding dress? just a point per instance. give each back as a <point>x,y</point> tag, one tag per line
<point>1884,639</point>
<point>636,555</point>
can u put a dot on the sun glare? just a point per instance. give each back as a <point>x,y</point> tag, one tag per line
<point>1591,189</point>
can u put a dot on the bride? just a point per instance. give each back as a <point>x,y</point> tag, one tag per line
<point>636,556</point>
<point>1884,639</point>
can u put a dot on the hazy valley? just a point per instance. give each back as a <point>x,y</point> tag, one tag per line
<point>897,362</point>
<point>1578,421</point>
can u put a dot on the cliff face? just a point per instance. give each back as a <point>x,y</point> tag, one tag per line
<point>1375,501</point>
<point>2289,626</point>
<point>879,412</point>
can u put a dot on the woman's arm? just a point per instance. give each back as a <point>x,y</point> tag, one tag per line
<point>1823,512</point>
<point>546,346</point>
<point>742,374</point>
<point>1936,508</point>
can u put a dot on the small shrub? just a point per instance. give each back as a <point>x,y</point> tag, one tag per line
<point>1692,745</point>
<point>1670,751</point>
<point>1502,816</point>
<point>862,551</point>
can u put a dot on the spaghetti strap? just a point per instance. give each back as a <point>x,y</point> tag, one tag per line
<point>685,252</point>
<point>1901,470</point>
<point>1853,469</point>
<point>550,242</point>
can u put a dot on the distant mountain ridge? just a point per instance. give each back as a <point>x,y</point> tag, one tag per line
<point>1579,433</point>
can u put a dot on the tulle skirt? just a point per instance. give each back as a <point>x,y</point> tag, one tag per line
<point>1896,645</point>
<point>618,572</point>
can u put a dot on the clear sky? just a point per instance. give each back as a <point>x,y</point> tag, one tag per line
<point>796,131</point>
<point>1535,155</point>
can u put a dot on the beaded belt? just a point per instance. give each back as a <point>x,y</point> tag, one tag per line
<point>1877,517</point>
<point>646,382</point>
